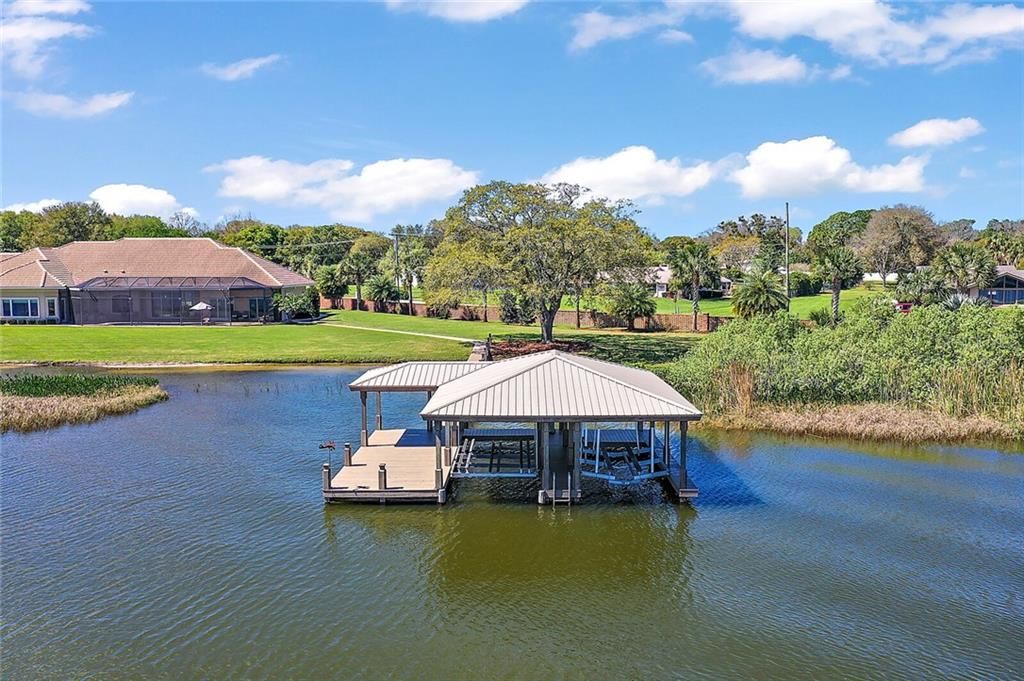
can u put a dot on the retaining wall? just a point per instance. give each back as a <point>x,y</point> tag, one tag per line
<point>589,319</point>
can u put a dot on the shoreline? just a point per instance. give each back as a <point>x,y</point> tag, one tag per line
<point>270,364</point>
<point>871,422</point>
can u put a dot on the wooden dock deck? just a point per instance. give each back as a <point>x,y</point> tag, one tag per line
<point>410,459</point>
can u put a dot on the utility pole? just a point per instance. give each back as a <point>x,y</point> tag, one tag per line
<point>787,256</point>
<point>398,275</point>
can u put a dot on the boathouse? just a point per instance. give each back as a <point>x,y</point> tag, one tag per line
<point>550,416</point>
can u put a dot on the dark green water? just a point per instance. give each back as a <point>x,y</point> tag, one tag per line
<point>189,541</point>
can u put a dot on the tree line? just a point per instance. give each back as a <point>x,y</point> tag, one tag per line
<point>538,246</point>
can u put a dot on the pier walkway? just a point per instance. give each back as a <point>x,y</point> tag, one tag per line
<point>408,456</point>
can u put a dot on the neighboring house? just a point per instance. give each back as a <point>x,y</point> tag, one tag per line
<point>1007,289</point>
<point>876,278</point>
<point>141,281</point>
<point>661,278</point>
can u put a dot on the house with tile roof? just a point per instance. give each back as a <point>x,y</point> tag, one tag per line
<point>142,281</point>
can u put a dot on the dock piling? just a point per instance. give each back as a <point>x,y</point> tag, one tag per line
<point>347,456</point>
<point>325,475</point>
<point>382,477</point>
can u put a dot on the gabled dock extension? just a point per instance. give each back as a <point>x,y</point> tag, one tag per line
<point>551,415</point>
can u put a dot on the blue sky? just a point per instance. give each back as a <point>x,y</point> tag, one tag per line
<point>379,113</point>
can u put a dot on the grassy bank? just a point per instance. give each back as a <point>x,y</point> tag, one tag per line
<point>870,422</point>
<point>34,402</point>
<point>933,374</point>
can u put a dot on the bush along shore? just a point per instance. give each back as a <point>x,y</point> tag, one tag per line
<point>931,375</point>
<point>35,402</point>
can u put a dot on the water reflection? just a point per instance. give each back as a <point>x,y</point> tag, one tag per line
<point>190,540</point>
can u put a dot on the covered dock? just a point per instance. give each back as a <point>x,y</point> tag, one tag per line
<point>550,416</point>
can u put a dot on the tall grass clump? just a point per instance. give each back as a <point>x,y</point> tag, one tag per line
<point>33,402</point>
<point>967,362</point>
<point>68,385</point>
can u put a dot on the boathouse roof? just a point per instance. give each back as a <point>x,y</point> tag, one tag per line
<point>557,386</point>
<point>413,376</point>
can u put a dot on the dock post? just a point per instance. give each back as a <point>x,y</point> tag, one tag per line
<point>382,477</point>
<point>325,476</point>
<point>542,495</point>
<point>430,424</point>
<point>380,412</point>
<point>363,436</point>
<point>683,482</point>
<point>347,455</point>
<point>666,447</point>
<point>438,471</point>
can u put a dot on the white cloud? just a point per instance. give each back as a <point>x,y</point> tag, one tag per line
<point>239,70</point>
<point>937,132</point>
<point>968,173</point>
<point>873,31</point>
<point>816,164</point>
<point>674,35</point>
<point>27,41</point>
<point>868,30</point>
<point>330,184</point>
<point>34,206</point>
<point>20,8</point>
<point>596,27</point>
<point>756,66</point>
<point>633,173</point>
<point>841,72</point>
<point>62,106</point>
<point>467,11</point>
<point>138,199</point>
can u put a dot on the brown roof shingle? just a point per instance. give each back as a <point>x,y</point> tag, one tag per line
<point>80,261</point>
<point>33,269</point>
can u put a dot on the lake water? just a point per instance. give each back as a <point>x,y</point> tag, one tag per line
<point>189,540</point>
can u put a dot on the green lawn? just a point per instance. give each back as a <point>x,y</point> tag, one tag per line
<point>325,342</point>
<point>720,307</point>
<point>444,327</point>
<point>236,344</point>
<point>801,307</point>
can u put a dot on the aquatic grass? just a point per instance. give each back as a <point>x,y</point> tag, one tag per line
<point>38,401</point>
<point>869,421</point>
<point>68,385</point>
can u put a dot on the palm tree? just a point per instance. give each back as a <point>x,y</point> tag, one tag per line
<point>694,264</point>
<point>629,301</point>
<point>836,265</point>
<point>762,292</point>
<point>357,267</point>
<point>966,265</point>
<point>381,290</point>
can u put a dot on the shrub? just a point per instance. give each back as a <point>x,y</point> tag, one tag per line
<point>760,293</point>
<point>804,284</point>
<point>823,317</point>
<point>441,301</point>
<point>381,290</point>
<point>304,305</point>
<point>629,301</point>
<point>517,309</point>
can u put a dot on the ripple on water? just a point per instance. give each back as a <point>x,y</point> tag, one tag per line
<point>189,540</point>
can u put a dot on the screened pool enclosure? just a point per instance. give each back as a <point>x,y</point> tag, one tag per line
<point>171,300</point>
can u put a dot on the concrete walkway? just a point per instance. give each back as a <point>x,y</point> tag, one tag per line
<point>404,333</point>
